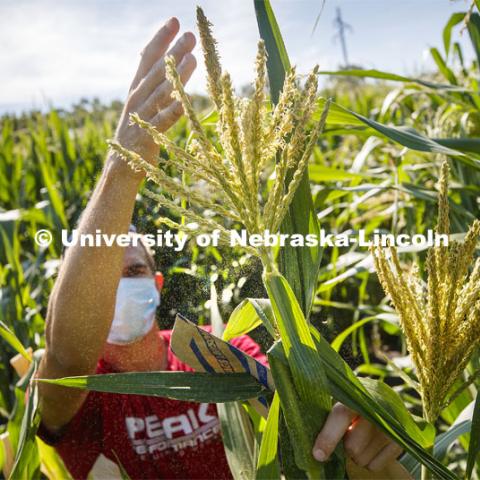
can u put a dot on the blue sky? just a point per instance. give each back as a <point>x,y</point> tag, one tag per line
<point>57,51</point>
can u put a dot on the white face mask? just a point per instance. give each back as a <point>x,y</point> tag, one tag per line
<point>136,303</point>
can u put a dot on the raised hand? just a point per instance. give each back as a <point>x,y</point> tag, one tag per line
<point>149,93</point>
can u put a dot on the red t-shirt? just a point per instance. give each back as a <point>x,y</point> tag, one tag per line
<point>152,437</point>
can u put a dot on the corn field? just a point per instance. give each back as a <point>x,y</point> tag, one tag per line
<point>392,333</point>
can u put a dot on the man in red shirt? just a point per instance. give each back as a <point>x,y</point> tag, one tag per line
<point>101,319</point>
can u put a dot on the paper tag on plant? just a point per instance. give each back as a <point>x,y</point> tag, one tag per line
<point>205,352</point>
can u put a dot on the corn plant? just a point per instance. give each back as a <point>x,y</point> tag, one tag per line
<point>255,141</point>
<point>251,139</point>
<point>441,319</point>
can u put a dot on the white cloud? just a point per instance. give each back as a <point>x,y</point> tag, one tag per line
<point>61,51</point>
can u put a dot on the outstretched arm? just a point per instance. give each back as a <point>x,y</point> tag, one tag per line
<point>82,303</point>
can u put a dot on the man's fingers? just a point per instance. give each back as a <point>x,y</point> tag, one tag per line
<point>168,116</point>
<point>358,439</point>
<point>183,45</point>
<point>155,49</point>
<point>387,455</point>
<point>363,443</point>
<point>332,432</point>
<point>161,96</point>
<point>377,442</point>
<point>156,75</point>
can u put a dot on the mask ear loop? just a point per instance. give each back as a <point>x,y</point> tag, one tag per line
<point>159,279</point>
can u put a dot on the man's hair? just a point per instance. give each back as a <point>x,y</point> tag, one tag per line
<point>149,253</point>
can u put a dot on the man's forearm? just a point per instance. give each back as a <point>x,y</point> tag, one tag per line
<point>82,304</point>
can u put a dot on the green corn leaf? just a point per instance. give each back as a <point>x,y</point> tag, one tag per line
<point>13,341</point>
<point>14,424</point>
<point>27,462</point>
<point>339,116</point>
<point>375,400</point>
<point>442,66</point>
<point>391,77</point>
<point>345,387</point>
<point>238,439</point>
<point>300,421</point>
<point>53,192</point>
<point>445,439</point>
<point>321,173</point>
<point>277,61</point>
<point>287,456</point>
<point>249,314</point>
<point>456,406</point>
<point>302,383</point>
<point>404,136</point>
<point>52,462</point>
<point>442,443</point>
<point>454,20</point>
<point>408,137</point>
<point>385,396</point>
<point>361,266</point>
<point>299,416</point>
<point>474,32</point>
<point>341,337</point>
<point>193,387</point>
<point>11,246</point>
<point>422,193</point>
<point>300,350</point>
<point>340,374</point>
<point>474,445</point>
<point>123,473</point>
<point>267,466</point>
<point>237,431</point>
<point>458,53</point>
<point>2,456</point>
<point>299,265</point>
<point>461,145</point>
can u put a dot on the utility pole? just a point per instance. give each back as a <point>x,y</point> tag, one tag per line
<point>342,27</point>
